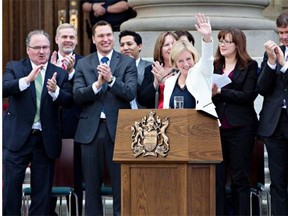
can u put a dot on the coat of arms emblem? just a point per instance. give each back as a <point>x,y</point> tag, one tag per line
<point>149,136</point>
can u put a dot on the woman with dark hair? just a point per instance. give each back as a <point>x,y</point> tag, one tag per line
<point>153,76</point>
<point>235,108</point>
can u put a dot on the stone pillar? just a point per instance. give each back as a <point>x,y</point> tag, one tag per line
<point>274,9</point>
<point>165,15</point>
<point>156,16</point>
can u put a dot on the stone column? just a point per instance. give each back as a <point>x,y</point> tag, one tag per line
<point>156,16</point>
<point>165,15</point>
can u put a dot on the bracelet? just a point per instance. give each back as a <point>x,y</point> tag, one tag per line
<point>92,6</point>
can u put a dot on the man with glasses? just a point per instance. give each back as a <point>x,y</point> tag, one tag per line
<point>31,134</point>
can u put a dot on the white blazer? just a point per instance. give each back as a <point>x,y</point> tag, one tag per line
<point>199,82</point>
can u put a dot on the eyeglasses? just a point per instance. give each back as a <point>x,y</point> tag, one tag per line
<point>38,48</point>
<point>225,42</point>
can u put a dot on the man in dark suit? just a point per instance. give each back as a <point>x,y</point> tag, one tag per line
<point>105,81</point>
<point>66,39</point>
<point>273,127</point>
<point>31,133</point>
<point>131,45</point>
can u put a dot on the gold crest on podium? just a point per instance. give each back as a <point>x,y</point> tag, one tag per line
<point>149,136</point>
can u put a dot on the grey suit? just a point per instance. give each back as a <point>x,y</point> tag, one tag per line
<point>141,69</point>
<point>97,136</point>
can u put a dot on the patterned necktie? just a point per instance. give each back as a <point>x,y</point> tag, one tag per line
<point>104,60</point>
<point>38,89</point>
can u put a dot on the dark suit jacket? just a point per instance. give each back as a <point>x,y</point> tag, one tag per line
<point>114,98</point>
<point>272,85</point>
<point>236,101</point>
<point>69,116</point>
<point>19,117</point>
<point>146,92</point>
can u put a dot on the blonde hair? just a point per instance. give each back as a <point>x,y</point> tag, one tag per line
<point>65,26</point>
<point>178,48</point>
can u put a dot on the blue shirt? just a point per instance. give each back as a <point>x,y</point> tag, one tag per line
<point>189,100</point>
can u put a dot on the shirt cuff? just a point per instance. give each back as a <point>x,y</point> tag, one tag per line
<point>70,76</point>
<point>22,84</point>
<point>95,90</point>
<point>284,68</point>
<point>55,94</point>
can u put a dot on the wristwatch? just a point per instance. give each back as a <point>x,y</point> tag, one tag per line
<point>219,90</point>
<point>112,80</point>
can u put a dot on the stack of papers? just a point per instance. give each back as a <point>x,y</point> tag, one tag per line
<point>221,80</point>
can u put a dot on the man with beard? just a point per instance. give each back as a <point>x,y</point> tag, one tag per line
<point>66,39</point>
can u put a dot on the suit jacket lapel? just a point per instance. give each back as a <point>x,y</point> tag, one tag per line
<point>283,75</point>
<point>114,61</point>
<point>140,70</point>
<point>237,73</point>
<point>48,75</point>
<point>27,69</point>
<point>141,65</point>
<point>95,62</point>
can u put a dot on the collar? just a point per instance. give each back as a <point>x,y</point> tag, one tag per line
<point>109,55</point>
<point>34,65</point>
<point>137,62</point>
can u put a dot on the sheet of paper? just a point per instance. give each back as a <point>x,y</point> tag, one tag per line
<point>221,80</point>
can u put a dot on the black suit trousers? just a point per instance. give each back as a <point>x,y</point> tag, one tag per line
<point>237,145</point>
<point>42,172</point>
<point>277,148</point>
<point>94,157</point>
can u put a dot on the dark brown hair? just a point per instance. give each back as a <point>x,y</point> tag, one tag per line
<point>282,19</point>
<point>100,23</point>
<point>239,38</point>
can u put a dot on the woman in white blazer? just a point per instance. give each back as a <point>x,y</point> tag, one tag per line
<point>194,80</point>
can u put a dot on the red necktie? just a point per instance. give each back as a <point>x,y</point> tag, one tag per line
<point>64,66</point>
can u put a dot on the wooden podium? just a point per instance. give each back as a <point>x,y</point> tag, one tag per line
<point>183,182</point>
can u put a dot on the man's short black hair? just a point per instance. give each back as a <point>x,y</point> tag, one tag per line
<point>136,36</point>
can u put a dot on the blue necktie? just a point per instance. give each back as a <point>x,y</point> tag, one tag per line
<point>104,60</point>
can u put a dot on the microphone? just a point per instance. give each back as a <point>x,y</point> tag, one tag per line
<point>173,71</point>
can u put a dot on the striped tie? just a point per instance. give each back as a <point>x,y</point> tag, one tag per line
<point>38,89</point>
